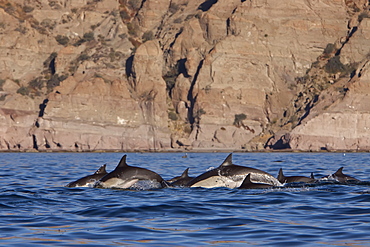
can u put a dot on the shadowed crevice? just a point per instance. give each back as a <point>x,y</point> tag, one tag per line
<point>128,66</point>
<point>207,5</point>
<point>42,107</point>
<point>34,140</point>
<point>192,99</point>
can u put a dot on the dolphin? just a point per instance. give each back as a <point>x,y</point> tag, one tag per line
<point>125,176</point>
<point>182,180</point>
<point>89,180</point>
<point>248,184</point>
<point>293,179</point>
<point>340,177</point>
<point>231,176</point>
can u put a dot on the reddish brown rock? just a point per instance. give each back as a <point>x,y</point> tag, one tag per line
<point>343,126</point>
<point>154,75</point>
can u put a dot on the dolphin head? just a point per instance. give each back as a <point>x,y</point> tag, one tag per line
<point>89,180</point>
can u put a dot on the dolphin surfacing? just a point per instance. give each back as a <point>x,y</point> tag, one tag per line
<point>181,181</point>
<point>90,180</point>
<point>231,176</point>
<point>125,176</point>
<point>340,177</point>
<point>248,184</point>
<point>293,179</point>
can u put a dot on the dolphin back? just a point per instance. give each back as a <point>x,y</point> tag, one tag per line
<point>293,179</point>
<point>125,176</point>
<point>101,170</point>
<point>181,181</point>
<point>343,178</point>
<point>248,184</point>
<point>281,176</point>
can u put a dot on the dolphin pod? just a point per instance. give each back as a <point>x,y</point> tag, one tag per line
<point>226,175</point>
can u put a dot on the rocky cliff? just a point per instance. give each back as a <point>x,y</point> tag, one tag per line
<point>87,75</point>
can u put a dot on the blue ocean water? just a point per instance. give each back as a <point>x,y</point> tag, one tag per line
<point>36,209</point>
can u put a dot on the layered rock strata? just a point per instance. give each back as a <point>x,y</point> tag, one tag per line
<point>203,75</point>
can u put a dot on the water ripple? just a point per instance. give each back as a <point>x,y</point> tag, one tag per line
<point>36,209</point>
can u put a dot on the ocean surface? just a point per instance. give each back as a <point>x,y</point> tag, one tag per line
<point>36,209</point>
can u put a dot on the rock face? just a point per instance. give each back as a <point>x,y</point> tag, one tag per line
<point>159,75</point>
<point>344,125</point>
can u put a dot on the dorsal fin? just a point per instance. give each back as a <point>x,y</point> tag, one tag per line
<point>312,176</point>
<point>281,176</point>
<point>122,163</point>
<point>228,161</point>
<point>246,181</point>
<point>185,174</point>
<point>101,170</point>
<point>339,172</point>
